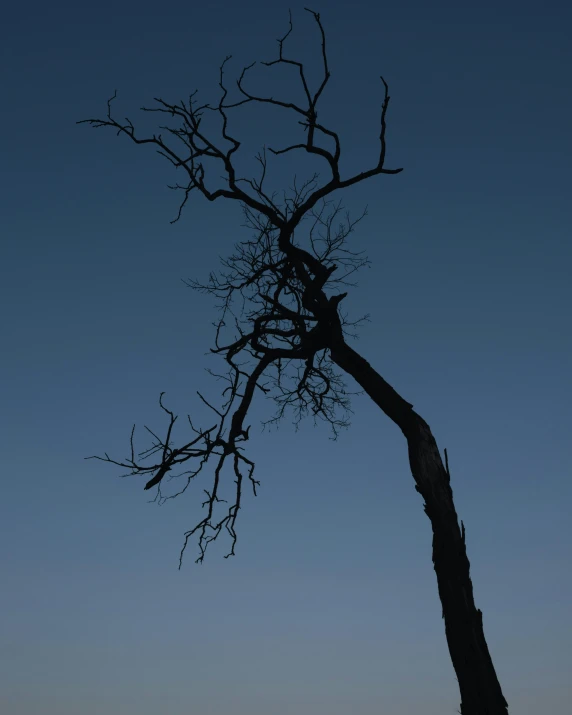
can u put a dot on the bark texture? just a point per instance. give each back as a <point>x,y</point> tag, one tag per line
<point>481,693</point>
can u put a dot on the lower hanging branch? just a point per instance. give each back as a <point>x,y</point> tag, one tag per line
<point>207,444</point>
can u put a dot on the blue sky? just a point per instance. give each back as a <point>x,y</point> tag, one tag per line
<point>330,605</point>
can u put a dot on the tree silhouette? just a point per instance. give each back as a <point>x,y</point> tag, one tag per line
<point>289,342</point>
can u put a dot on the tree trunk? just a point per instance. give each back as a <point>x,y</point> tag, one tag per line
<point>481,693</point>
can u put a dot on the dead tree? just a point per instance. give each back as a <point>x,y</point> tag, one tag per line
<point>289,342</point>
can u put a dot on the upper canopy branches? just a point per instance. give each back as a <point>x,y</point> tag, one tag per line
<point>192,143</point>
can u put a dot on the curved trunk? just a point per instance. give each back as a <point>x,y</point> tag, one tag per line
<point>481,693</point>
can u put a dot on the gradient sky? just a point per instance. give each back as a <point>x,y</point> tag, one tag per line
<point>330,606</point>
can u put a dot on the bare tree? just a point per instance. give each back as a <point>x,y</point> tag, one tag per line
<point>281,298</point>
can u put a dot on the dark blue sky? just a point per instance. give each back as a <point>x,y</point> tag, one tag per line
<point>330,605</point>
